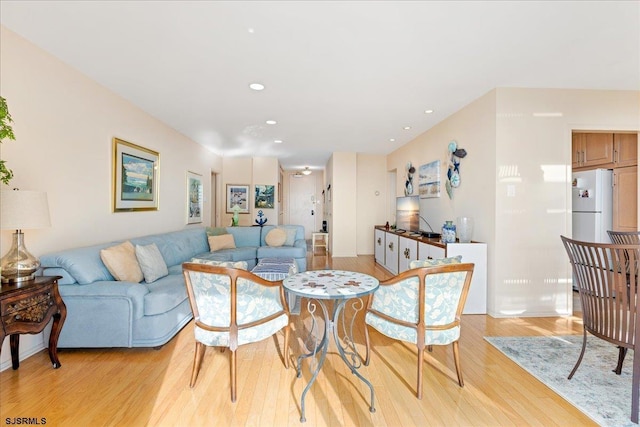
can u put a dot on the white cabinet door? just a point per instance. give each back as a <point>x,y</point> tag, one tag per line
<point>379,245</point>
<point>427,251</point>
<point>408,251</point>
<point>391,253</point>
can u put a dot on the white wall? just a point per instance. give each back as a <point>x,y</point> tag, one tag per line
<point>64,124</point>
<point>343,205</point>
<point>515,184</point>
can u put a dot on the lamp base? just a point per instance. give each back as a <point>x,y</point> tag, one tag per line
<point>18,265</point>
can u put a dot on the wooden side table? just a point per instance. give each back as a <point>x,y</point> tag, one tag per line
<point>320,239</point>
<point>26,308</point>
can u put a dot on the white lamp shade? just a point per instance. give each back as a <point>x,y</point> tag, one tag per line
<point>23,210</point>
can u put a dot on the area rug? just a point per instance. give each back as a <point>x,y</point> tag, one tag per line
<point>594,389</point>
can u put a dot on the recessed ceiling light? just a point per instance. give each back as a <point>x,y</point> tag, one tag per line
<point>428,111</point>
<point>271,122</point>
<point>251,30</point>
<point>278,141</point>
<point>406,127</point>
<point>256,86</point>
<point>392,139</point>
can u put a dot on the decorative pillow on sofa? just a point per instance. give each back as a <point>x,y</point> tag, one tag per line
<point>291,236</point>
<point>431,262</point>
<point>242,265</point>
<point>122,263</point>
<point>276,237</point>
<point>151,262</point>
<point>223,241</point>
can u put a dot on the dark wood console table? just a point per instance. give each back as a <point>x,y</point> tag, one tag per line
<point>26,308</point>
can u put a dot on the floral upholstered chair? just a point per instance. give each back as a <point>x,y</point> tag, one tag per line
<point>232,307</point>
<point>422,306</point>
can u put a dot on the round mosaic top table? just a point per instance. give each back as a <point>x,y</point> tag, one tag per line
<point>340,286</point>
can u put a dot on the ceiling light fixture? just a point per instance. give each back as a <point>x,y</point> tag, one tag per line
<point>271,122</point>
<point>392,139</point>
<point>306,171</point>
<point>256,86</point>
<point>278,141</point>
<point>428,111</point>
<point>406,127</point>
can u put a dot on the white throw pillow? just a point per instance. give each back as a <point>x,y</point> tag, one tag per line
<point>122,263</point>
<point>276,237</point>
<point>151,262</point>
<point>291,236</point>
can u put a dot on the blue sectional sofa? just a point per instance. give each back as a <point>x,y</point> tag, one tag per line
<point>104,312</point>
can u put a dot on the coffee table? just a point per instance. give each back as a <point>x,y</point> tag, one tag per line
<point>340,287</point>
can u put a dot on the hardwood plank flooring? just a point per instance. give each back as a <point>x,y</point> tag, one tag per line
<point>147,387</point>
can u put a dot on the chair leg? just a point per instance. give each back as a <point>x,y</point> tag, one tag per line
<point>456,359</point>
<point>420,366</point>
<point>584,346</point>
<point>621,355</point>
<point>233,375</point>
<point>197,361</point>
<point>286,346</point>
<point>367,344</point>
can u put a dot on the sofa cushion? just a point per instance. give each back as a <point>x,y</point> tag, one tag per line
<point>164,294</point>
<point>291,235</point>
<point>122,262</point>
<point>276,237</point>
<point>151,262</point>
<point>223,241</point>
<point>177,246</point>
<point>245,236</point>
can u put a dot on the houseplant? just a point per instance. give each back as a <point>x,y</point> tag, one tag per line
<point>5,132</point>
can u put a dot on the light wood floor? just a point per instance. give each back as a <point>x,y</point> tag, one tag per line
<point>137,387</point>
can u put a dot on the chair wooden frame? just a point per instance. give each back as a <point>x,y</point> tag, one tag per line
<point>623,238</point>
<point>606,276</point>
<point>420,326</point>
<point>233,328</point>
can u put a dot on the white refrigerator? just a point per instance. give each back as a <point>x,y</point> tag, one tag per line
<point>592,205</point>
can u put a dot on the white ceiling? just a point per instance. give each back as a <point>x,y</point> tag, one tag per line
<point>339,76</point>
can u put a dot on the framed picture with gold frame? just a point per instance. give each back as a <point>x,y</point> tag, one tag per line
<point>135,177</point>
<point>194,198</point>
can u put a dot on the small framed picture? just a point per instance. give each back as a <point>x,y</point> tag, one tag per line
<point>194,198</point>
<point>135,177</point>
<point>237,195</point>
<point>264,196</point>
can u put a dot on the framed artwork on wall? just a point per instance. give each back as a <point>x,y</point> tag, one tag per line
<point>264,197</point>
<point>237,195</point>
<point>194,198</point>
<point>429,180</point>
<point>135,177</point>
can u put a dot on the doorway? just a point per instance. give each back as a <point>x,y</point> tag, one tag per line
<point>214,191</point>
<point>302,203</point>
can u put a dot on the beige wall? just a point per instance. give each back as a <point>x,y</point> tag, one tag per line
<point>371,199</point>
<point>64,124</point>
<point>342,175</point>
<point>515,184</point>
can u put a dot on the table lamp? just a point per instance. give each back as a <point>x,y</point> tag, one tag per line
<point>21,210</point>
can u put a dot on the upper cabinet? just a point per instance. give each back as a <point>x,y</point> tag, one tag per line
<point>592,149</point>
<point>603,150</point>
<point>625,149</point>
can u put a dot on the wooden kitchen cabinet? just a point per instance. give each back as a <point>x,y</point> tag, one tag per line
<point>625,149</point>
<point>591,150</point>
<point>625,199</point>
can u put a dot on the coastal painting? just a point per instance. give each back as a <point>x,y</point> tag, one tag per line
<point>135,177</point>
